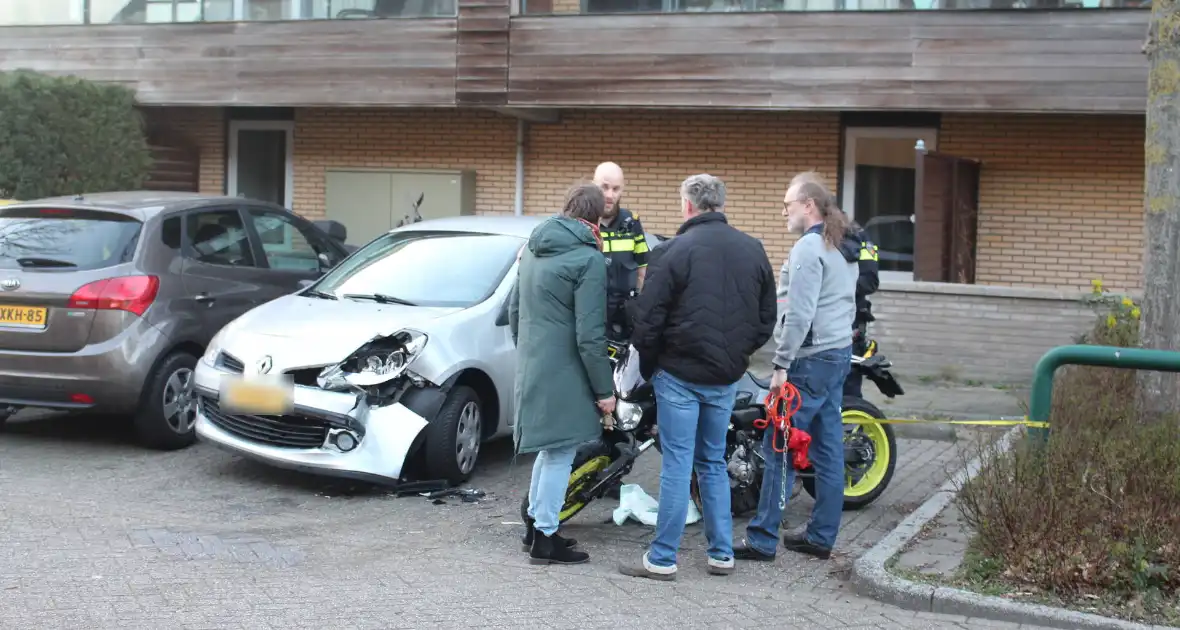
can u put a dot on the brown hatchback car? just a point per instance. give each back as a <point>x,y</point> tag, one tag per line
<point>107,301</point>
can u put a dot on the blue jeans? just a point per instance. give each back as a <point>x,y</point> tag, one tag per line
<point>551,478</point>
<point>820,381</point>
<point>693,420</point>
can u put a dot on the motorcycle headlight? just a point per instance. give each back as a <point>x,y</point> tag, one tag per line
<point>628,414</point>
<point>376,362</point>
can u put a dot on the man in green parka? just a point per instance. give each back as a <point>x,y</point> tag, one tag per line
<point>563,376</point>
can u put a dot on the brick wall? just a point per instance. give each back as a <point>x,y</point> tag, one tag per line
<point>989,334</point>
<point>426,139</point>
<point>204,126</point>
<point>1061,201</point>
<point>1061,197</point>
<point>755,153</point>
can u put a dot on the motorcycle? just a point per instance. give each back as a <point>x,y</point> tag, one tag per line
<point>870,448</point>
<point>600,466</point>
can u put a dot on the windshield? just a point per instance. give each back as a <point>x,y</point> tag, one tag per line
<point>425,268</point>
<point>46,239</point>
<point>627,376</point>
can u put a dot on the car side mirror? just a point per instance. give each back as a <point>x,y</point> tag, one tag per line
<point>334,229</point>
<point>303,284</point>
<point>502,317</point>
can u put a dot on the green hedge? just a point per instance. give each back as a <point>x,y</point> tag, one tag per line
<point>66,136</point>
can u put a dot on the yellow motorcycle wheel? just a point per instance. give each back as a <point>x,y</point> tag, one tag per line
<point>585,474</point>
<point>874,481</point>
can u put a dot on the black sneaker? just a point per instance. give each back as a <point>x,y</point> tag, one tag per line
<point>800,544</point>
<point>743,551</point>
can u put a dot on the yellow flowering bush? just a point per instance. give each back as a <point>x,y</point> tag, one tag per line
<point>1118,318</point>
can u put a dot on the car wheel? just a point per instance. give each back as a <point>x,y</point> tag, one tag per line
<point>168,409</point>
<point>454,436</point>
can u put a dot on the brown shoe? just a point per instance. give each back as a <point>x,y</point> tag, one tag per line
<point>643,568</point>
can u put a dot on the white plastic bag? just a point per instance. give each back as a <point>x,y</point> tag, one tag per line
<point>639,505</point>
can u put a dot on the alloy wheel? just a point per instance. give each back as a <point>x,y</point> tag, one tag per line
<point>467,435</point>
<point>180,406</point>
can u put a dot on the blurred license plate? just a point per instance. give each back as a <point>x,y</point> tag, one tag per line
<point>257,395</point>
<point>23,316</point>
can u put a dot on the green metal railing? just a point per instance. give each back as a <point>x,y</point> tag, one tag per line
<point>1040,400</point>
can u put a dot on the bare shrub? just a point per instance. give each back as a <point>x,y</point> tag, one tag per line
<point>1096,509</point>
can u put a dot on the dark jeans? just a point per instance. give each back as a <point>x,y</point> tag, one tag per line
<point>818,378</point>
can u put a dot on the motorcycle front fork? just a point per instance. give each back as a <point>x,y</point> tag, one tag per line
<point>621,467</point>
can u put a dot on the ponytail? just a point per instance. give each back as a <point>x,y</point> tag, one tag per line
<point>835,225</point>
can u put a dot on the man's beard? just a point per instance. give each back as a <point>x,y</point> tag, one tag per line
<point>612,211</point>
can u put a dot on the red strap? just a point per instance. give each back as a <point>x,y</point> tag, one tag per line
<point>781,405</point>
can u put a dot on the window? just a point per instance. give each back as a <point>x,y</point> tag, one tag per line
<point>170,233</point>
<point>41,12</point>
<point>55,239</point>
<point>427,268</point>
<point>145,11</point>
<point>287,245</point>
<point>878,190</point>
<point>368,9</point>
<point>218,238</point>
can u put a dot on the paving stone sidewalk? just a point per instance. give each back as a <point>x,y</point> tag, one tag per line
<point>98,533</point>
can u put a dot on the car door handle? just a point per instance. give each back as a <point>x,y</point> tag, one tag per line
<point>204,298</point>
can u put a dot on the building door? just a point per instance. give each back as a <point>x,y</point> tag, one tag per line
<point>878,188</point>
<point>260,160</point>
<point>947,218</point>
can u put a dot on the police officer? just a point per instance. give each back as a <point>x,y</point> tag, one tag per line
<point>866,284</point>
<point>625,248</point>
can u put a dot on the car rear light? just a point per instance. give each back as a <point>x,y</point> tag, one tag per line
<point>133,294</point>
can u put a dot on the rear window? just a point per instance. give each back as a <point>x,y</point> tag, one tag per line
<point>48,239</point>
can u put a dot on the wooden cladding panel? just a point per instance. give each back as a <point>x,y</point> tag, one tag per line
<point>1016,61</point>
<point>481,73</point>
<point>403,62</point>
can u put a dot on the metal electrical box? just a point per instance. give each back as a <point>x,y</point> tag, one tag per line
<point>370,202</point>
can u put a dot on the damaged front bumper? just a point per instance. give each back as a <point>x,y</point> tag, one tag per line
<point>329,432</point>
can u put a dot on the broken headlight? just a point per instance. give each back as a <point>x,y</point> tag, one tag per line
<point>378,361</point>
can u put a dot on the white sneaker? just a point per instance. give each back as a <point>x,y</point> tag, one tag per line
<point>720,567</point>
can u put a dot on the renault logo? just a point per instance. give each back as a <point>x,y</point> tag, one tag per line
<point>264,364</point>
<point>10,284</point>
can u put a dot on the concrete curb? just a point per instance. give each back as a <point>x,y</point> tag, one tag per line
<point>871,578</point>
<point>933,431</point>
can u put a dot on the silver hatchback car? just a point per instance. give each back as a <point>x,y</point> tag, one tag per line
<point>108,300</point>
<point>399,360</point>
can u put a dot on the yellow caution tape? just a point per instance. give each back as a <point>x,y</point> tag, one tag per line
<point>985,423</point>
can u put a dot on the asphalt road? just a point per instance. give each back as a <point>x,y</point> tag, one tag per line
<point>98,533</point>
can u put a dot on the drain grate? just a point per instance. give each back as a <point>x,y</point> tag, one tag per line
<point>242,548</point>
